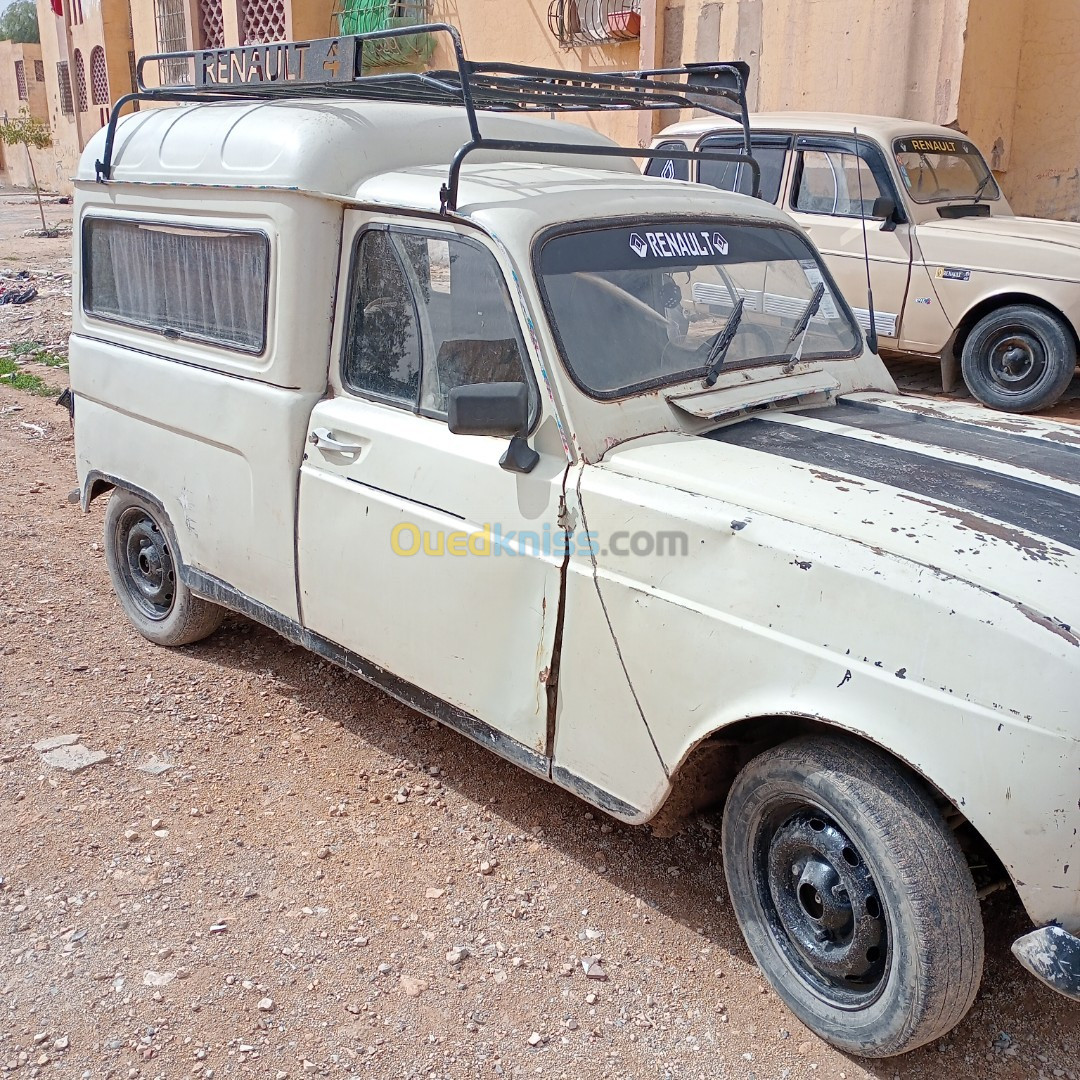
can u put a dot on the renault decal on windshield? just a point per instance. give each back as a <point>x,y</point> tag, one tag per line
<point>678,245</point>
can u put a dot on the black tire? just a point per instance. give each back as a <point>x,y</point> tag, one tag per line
<point>891,956</point>
<point>1019,358</point>
<point>139,554</point>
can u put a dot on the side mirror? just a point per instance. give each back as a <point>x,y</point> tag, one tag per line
<point>884,210</point>
<point>489,409</point>
<point>495,409</point>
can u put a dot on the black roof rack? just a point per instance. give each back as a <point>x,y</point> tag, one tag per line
<point>333,67</point>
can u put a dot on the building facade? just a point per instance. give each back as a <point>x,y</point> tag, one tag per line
<point>22,86</point>
<point>1005,72</point>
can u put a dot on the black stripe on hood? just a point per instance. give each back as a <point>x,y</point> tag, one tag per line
<point>1061,461</point>
<point>976,494</point>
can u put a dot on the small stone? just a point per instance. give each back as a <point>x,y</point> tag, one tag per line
<point>266,1005</point>
<point>281,1074</point>
<point>571,1024</point>
<point>308,1066</point>
<point>412,986</point>
<point>434,894</point>
<point>456,955</point>
<point>566,970</point>
<point>54,742</point>
<point>385,969</point>
<point>40,1037</point>
<point>131,834</point>
<point>323,853</point>
<point>74,758</point>
<point>536,1039</point>
<point>161,833</point>
<point>158,978</point>
<point>155,766</point>
<point>592,935</point>
<point>245,1048</point>
<point>590,999</point>
<point>62,1043</point>
<point>219,928</point>
<point>486,868</point>
<point>593,968</point>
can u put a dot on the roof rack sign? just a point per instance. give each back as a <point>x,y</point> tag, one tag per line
<point>285,69</point>
<point>326,60</point>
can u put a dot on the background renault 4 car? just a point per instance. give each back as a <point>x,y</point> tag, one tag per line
<point>955,273</point>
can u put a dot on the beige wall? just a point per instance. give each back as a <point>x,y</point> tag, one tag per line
<point>15,169</point>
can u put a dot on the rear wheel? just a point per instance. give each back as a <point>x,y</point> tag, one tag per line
<point>1019,358</point>
<point>144,573</point>
<point>853,895</point>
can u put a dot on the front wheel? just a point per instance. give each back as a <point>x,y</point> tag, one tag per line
<point>143,568</point>
<point>1019,358</point>
<point>852,894</point>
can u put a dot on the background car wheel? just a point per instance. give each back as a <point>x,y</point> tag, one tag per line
<point>1019,358</point>
<point>852,894</point>
<point>140,557</point>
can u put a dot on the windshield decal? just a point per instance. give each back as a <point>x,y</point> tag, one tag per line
<point>934,146</point>
<point>678,245</point>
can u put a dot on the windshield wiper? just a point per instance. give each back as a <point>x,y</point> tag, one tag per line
<point>982,186</point>
<point>800,328</point>
<point>719,347</point>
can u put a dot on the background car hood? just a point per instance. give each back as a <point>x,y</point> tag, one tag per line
<point>1005,244</point>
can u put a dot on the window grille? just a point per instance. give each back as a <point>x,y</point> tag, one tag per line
<point>171,26</point>
<point>594,22</point>
<point>212,22</point>
<point>20,80</point>
<point>80,81</point>
<point>99,77</point>
<point>364,16</point>
<point>63,79</point>
<point>39,70</point>
<point>264,20</point>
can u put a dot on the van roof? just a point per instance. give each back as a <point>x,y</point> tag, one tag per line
<point>325,146</point>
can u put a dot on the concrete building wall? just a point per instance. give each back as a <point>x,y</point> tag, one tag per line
<point>15,168</point>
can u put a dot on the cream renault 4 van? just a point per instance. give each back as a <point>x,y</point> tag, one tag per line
<point>955,273</point>
<point>598,470</point>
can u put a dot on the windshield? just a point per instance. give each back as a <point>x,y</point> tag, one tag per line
<point>936,170</point>
<point>643,305</point>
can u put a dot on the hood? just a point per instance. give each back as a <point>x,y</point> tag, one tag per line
<point>963,497</point>
<point>1013,245</point>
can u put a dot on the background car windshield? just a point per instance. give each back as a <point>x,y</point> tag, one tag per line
<point>938,169</point>
<point>639,306</point>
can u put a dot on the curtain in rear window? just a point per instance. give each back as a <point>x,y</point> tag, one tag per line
<point>204,284</point>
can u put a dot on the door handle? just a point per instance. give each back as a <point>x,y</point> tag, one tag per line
<point>324,439</point>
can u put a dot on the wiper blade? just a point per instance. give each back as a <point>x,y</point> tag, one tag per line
<point>719,347</point>
<point>982,186</point>
<point>803,324</point>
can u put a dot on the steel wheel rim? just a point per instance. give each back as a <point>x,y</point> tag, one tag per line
<point>145,564</point>
<point>822,906</point>
<point>1017,360</point>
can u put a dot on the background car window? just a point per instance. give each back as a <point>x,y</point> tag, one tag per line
<point>735,176</point>
<point>670,168</point>
<point>828,183</point>
<point>382,345</point>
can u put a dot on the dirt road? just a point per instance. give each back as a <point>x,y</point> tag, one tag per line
<point>323,882</point>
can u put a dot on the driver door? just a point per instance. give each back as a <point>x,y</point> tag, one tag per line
<point>825,200</point>
<point>417,552</point>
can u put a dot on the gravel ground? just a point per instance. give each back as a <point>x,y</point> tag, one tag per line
<point>322,882</point>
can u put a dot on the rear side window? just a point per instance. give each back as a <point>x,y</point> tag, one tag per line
<point>736,176</point>
<point>203,284</point>
<point>669,168</point>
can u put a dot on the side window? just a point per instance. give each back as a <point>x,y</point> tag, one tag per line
<point>429,313</point>
<point>180,281</point>
<point>382,345</point>
<point>828,183</point>
<point>735,176</point>
<point>669,168</point>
